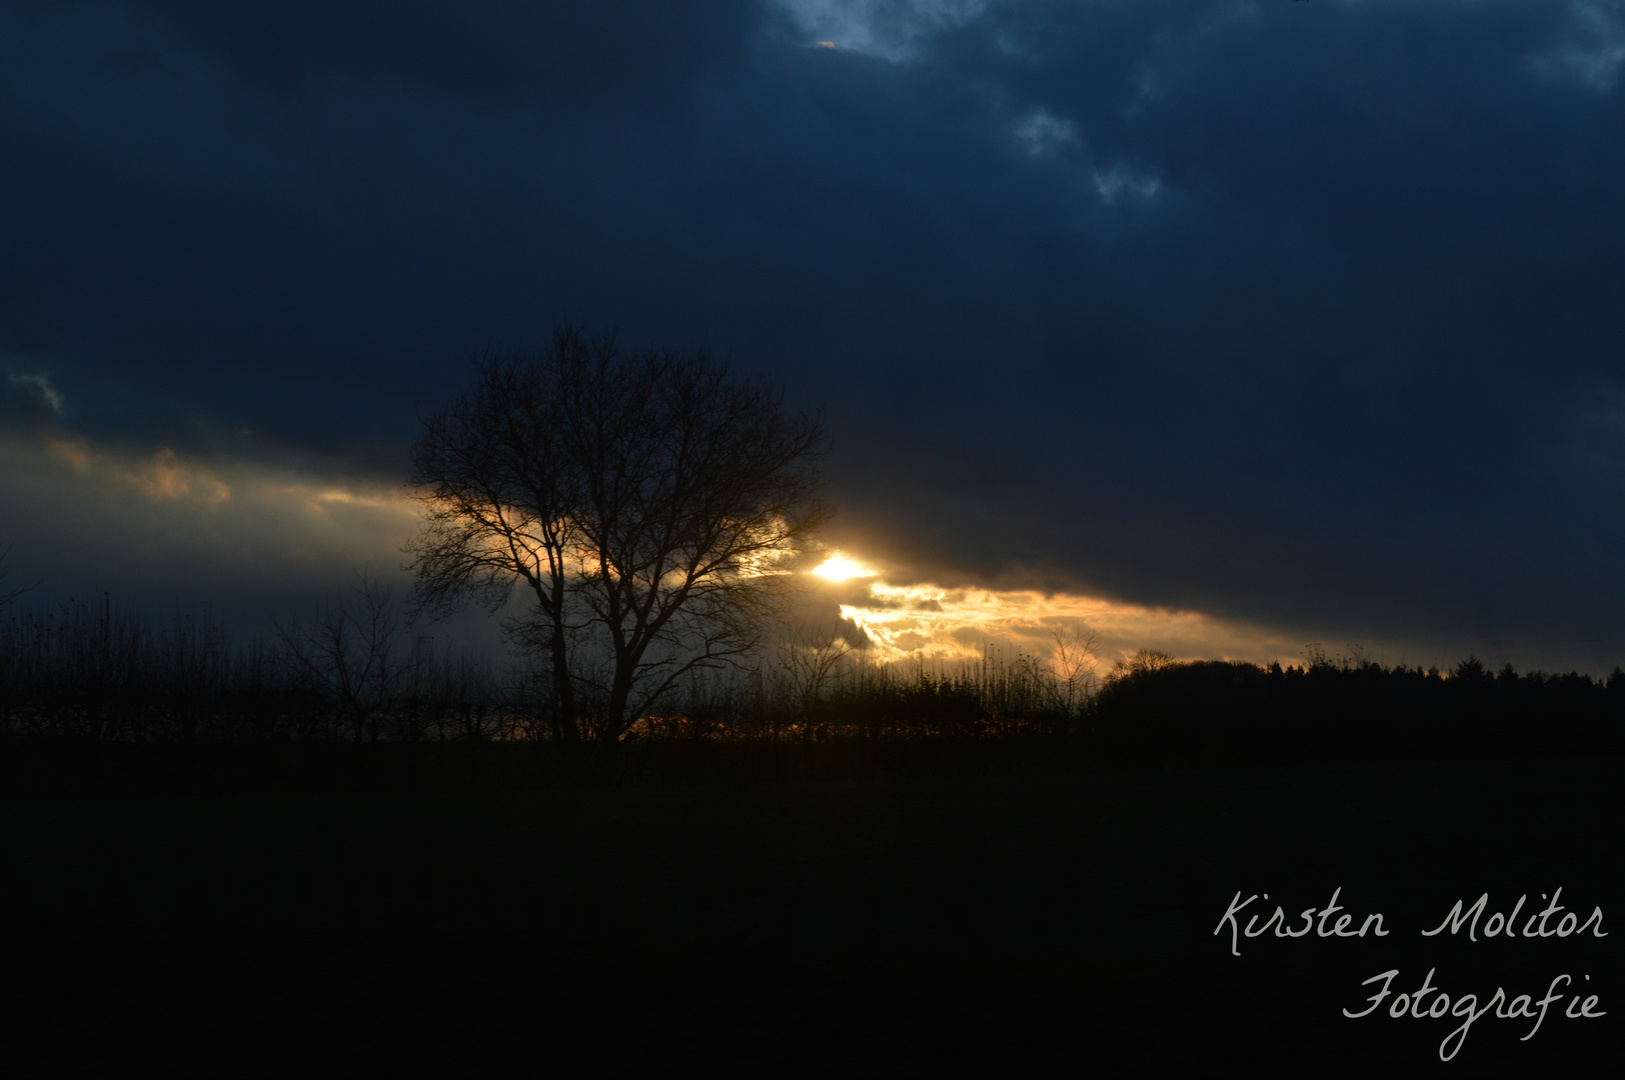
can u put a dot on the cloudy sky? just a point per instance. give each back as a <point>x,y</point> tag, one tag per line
<point>1227,327</point>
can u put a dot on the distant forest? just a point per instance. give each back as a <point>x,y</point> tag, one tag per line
<point>92,698</point>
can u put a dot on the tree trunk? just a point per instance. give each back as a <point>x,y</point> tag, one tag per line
<point>564,698</point>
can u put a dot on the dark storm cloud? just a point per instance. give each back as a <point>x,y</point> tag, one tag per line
<point>1303,313</point>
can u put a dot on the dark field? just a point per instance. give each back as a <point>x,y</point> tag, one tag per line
<point>1031,924</point>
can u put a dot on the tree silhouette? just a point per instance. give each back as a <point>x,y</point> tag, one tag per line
<point>646,502</point>
<point>1074,665</point>
<point>348,653</point>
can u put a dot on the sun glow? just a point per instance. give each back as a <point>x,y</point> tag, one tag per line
<point>840,567</point>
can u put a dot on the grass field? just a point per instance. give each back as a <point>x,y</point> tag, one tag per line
<point>793,925</point>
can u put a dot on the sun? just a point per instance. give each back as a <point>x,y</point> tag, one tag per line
<point>840,567</point>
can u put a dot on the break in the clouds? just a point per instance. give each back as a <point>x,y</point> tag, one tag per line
<point>894,30</point>
<point>1298,317</point>
<point>1044,135</point>
<point>1593,49</point>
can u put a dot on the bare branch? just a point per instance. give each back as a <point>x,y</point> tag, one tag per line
<point>640,499</point>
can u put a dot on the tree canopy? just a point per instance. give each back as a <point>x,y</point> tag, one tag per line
<point>649,503</point>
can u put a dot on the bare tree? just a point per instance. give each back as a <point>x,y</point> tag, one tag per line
<point>644,502</point>
<point>347,652</point>
<point>809,658</point>
<point>1142,660</point>
<point>1074,665</point>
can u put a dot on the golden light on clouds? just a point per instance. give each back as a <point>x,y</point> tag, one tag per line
<point>75,452</point>
<point>174,504</point>
<point>929,622</point>
<point>347,497</point>
<point>163,477</point>
<point>167,477</point>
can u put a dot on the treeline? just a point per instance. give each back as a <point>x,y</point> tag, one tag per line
<point>1336,711</point>
<point>352,673</point>
<point>95,698</point>
<point>348,687</point>
<point>89,673</point>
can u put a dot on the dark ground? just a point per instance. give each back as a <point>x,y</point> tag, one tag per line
<point>1031,925</point>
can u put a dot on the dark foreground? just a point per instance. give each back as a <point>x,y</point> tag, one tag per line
<point>1030,925</point>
